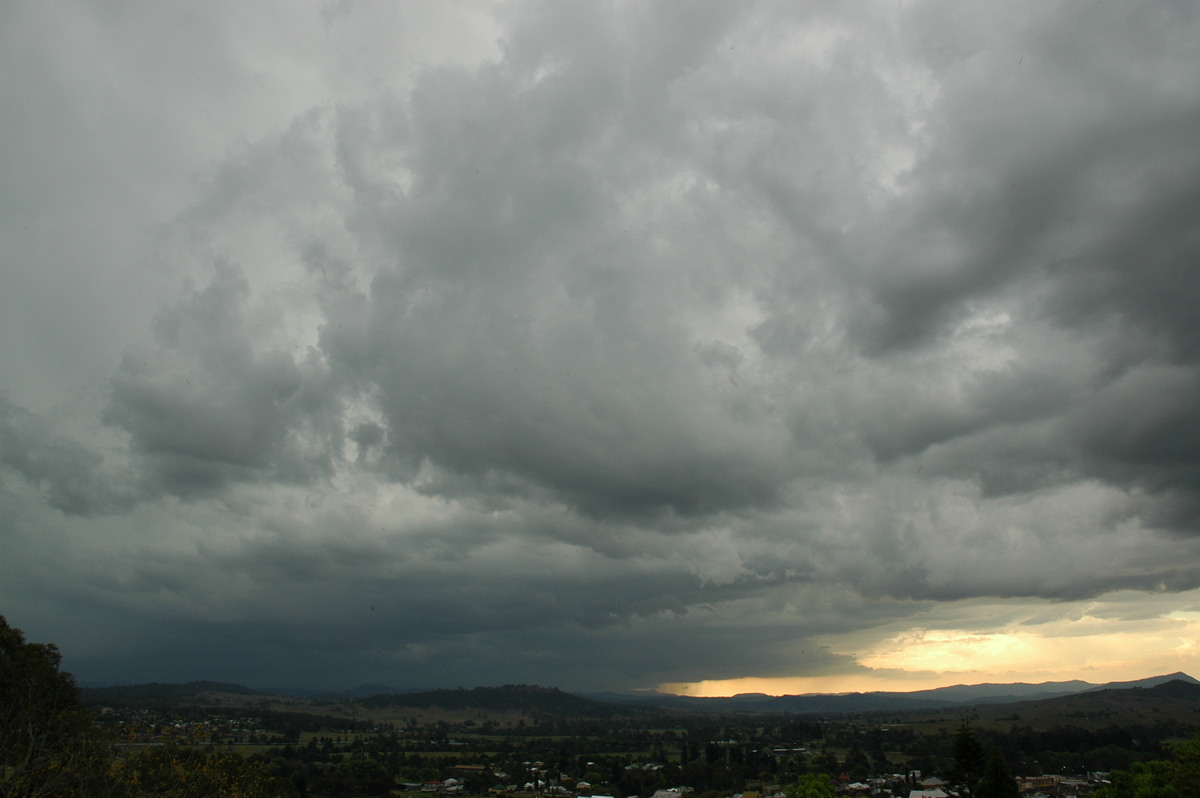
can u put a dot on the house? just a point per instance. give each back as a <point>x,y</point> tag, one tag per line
<point>934,793</point>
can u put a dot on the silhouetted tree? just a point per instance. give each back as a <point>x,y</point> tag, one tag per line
<point>47,743</point>
<point>968,756</point>
<point>997,782</point>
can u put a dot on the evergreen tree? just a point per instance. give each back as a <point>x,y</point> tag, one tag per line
<point>997,782</point>
<point>968,756</point>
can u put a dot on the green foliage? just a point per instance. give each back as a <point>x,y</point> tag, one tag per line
<point>997,781</point>
<point>826,762</point>
<point>47,743</point>
<point>1142,780</point>
<point>360,777</point>
<point>811,785</point>
<point>968,755</point>
<point>49,746</point>
<point>174,772</point>
<point>1176,778</point>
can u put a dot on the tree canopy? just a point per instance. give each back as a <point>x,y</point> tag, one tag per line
<point>50,747</point>
<point>968,756</point>
<point>811,785</point>
<point>997,781</point>
<point>47,744</point>
<point>1162,778</point>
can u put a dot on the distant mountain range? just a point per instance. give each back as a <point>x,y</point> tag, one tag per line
<point>159,692</point>
<point>938,698</point>
<point>520,698</point>
<point>546,700</point>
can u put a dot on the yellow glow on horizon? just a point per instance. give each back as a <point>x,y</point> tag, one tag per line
<point>795,685</point>
<point>1093,641</point>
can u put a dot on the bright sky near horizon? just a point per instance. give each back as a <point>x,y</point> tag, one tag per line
<point>708,347</point>
<point>1090,640</point>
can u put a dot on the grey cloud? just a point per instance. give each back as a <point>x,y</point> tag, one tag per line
<point>1009,179</point>
<point>1073,213</point>
<point>668,651</point>
<point>1142,430</point>
<point>1137,266</point>
<point>659,329</point>
<point>203,408</point>
<point>451,629</point>
<point>341,657</point>
<point>523,330</point>
<point>1006,459</point>
<point>74,477</point>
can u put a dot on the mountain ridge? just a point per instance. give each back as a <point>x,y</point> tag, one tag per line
<point>552,699</point>
<point>936,698</point>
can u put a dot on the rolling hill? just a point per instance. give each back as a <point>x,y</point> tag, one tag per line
<point>1176,694</point>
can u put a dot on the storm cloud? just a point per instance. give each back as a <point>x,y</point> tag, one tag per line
<point>596,345</point>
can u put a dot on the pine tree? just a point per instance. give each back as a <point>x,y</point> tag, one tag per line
<point>968,756</point>
<point>997,781</point>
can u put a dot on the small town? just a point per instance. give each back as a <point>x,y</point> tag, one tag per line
<point>334,747</point>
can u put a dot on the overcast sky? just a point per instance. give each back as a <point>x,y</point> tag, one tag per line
<point>606,345</point>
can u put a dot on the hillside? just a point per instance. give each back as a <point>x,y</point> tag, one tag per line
<point>1173,697</point>
<point>1177,700</point>
<point>525,699</point>
<point>155,693</point>
<point>942,698</point>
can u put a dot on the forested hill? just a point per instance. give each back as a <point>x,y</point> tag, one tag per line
<point>943,698</point>
<point>1176,697</point>
<point>529,699</point>
<point>157,693</point>
<point>1176,700</point>
<point>1188,691</point>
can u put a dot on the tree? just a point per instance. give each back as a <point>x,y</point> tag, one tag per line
<point>1143,780</point>
<point>968,756</point>
<point>811,785</point>
<point>360,777</point>
<point>1175,778</point>
<point>173,772</point>
<point>48,745</point>
<point>997,782</point>
<point>826,762</point>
